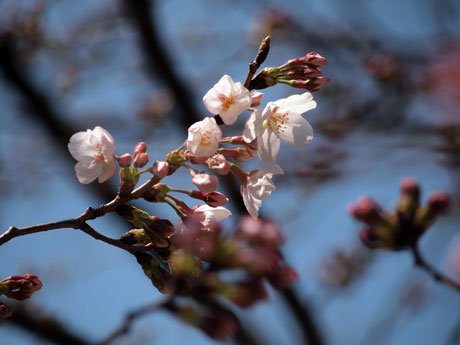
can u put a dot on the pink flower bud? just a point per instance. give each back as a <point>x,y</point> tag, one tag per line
<point>205,182</point>
<point>141,160</point>
<point>257,98</point>
<point>219,164</point>
<point>213,199</point>
<point>194,159</point>
<point>249,292</point>
<point>21,287</point>
<point>140,148</point>
<point>124,161</point>
<point>160,169</point>
<point>5,312</point>
<point>410,186</point>
<point>315,60</point>
<point>221,325</point>
<point>438,203</point>
<point>283,277</point>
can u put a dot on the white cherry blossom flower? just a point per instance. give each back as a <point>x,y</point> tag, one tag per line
<point>280,120</point>
<point>228,99</point>
<point>203,138</point>
<point>94,151</point>
<point>258,187</point>
<point>210,216</point>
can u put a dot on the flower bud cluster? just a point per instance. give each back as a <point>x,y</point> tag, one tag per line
<point>402,228</point>
<point>304,73</point>
<point>19,288</point>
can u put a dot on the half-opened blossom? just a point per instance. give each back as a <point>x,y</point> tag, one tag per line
<point>228,99</point>
<point>94,151</point>
<point>209,216</point>
<point>204,181</point>
<point>280,120</point>
<point>203,138</point>
<point>257,187</point>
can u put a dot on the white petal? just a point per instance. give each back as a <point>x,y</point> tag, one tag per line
<point>87,174</point>
<point>297,103</point>
<point>252,205</point>
<point>108,170</point>
<point>268,146</point>
<point>253,126</point>
<point>80,145</point>
<point>225,85</point>
<point>212,102</point>
<point>297,131</point>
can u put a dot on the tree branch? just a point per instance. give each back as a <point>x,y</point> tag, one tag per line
<point>80,221</point>
<point>420,262</point>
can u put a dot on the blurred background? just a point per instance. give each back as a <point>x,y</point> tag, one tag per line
<point>140,68</point>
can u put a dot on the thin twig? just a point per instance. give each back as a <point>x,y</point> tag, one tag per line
<point>80,221</point>
<point>125,327</point>
<point>259,59</point>
<point>420,261</point>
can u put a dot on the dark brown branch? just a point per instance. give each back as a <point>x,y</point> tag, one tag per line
<point>46,327</point>
<point>80,221</point>
<point>303,316</point>
<point>420,262</point>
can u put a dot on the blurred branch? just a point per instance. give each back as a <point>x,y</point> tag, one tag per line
<point>46,327</point>
<point>420,261</point>
<point>303,316</point>
<point>39,105</point>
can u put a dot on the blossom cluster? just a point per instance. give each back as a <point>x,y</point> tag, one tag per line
<point>186,259</point>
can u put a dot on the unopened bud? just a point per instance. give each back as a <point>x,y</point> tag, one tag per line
<point>409,199</point>
<point>315,60</point>
<point>365,209</point>
<point>221,325</point>
<point>5,312</point>
<point>256,98</point>
<point>20,287</point>
<point>219,164</point>
<point>249,292</point>
<point>140,148</point>
<point>205,182</point>
<point>152,268</point>
<point>141,159</point>
<point>213,199</point>
<point>283,277</point>
<point>135,236</point>
<point>194,159</point>
<point>160,169</point>
<point>125,160</point>
<point>438,203</point>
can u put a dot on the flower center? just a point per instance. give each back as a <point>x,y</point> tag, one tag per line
<point>205,138</point>
<point>278,121</point>
<point>227,102</point>
<point>99,156</point>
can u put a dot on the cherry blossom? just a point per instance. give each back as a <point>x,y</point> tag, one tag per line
<point>209,216</point>
<point>94,151</point>
<point>257,187</point>
<point>204,181</point>
<point>203,138</point>
<point>227,99</point>
<point>280,120</point>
